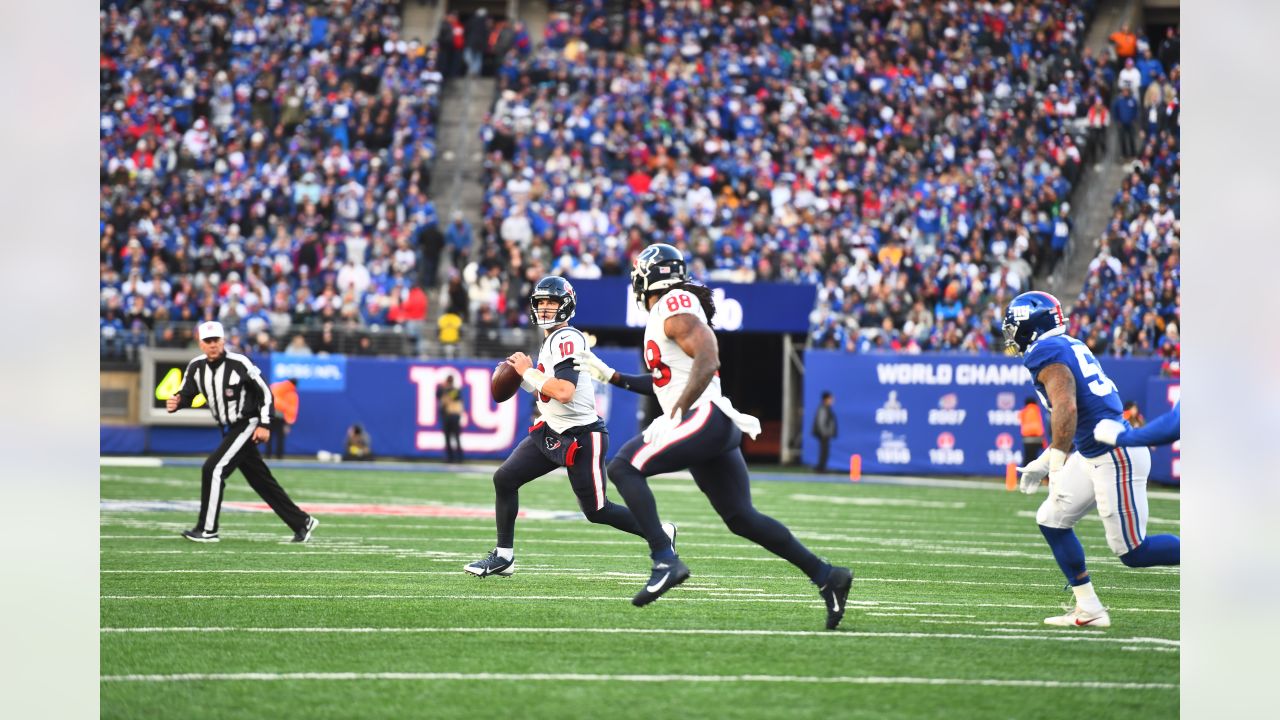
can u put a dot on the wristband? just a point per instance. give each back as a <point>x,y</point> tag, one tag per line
<point>535,377</point>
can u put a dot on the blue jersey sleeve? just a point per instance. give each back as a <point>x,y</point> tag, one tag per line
<point>1046,353</point>
<point>1164,430</point>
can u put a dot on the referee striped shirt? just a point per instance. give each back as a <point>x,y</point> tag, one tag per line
<point>232,386</point>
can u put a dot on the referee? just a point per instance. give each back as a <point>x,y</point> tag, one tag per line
<point>241,405</point>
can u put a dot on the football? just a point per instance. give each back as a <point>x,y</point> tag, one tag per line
<point>505,383</point>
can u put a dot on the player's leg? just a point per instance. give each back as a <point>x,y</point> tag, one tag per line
<point>1070,498</point>
<point>264,483</point>
<point>587,475</point>
<point>683,446</point>
<point>524,464</point>
<point>727,484</point>
<point>1121,486</point>
<point>213,480</point>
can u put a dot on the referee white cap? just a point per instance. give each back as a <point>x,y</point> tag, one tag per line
<point>211,329</point>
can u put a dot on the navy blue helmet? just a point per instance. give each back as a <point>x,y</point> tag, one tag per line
<point>1030,317</point>
<point>657,267</point>
<point>558,289</point>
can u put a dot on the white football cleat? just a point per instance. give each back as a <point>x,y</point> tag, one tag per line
<point>1079,617</point>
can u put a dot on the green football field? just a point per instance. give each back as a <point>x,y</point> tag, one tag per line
<point>374,618</point>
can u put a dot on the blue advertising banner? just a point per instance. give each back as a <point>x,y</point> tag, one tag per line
<point>933,414</point>
<point>759,307</point>
<point>326,373</point>
<point>1162,395</point>
<point>395,402</point>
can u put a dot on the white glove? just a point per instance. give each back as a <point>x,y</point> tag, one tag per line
<point>1107,431</point>
<point>660,427</point>
<point>585,361</point>
<point>1037,470</point>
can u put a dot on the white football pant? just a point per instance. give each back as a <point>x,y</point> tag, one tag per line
<point>1115,482</point>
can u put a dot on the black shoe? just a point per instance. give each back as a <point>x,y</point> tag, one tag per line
<point>200,536</point>
<point>835,593</point>
<point>492,565</point>
<point>304,534</point>
<point>666,575</point>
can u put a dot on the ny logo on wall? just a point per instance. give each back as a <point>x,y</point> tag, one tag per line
<point>486,426</point>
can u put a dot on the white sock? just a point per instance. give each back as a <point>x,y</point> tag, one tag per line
<point>1086,598</point>
<point>506,553</point>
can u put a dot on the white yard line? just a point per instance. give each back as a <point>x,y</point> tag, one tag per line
<point>1056,637</point>
<point>315,548</point>
<point>580,575</point>
<point>582,677</point>
<point>558,598</point>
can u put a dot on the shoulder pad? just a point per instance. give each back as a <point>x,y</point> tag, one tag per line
<point>564,342</point>
<point>678,302</point>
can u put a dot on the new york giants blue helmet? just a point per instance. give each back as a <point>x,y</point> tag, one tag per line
<point>657,267</point>
<point>1031,316</point>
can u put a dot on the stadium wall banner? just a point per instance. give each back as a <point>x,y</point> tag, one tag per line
<point>395,401</point>
<point>1162,395</point>
<point>933,414</point>
<point>758,307</point>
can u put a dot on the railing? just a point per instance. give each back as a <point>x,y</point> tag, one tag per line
<point>121,349</point>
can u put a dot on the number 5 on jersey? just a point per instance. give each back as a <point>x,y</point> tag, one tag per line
<point>1089,367</point>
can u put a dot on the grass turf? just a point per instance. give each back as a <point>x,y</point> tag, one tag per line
<point>374,618</point>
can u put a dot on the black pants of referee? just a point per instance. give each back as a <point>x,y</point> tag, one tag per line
<point>238,452</point>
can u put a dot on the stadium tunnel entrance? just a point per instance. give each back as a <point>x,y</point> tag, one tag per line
<point>751,374</point>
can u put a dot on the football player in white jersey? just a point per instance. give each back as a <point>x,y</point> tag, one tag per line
<point>569,435</point>
<point>699,429</point>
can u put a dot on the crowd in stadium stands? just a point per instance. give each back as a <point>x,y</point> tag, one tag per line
<point>267,163</point>
<point>264,163</point>
<point>1131,301</point>
<point>914,162</point>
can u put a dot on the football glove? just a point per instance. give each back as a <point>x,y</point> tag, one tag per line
<point>661,426</point>
<point>1051,461</point>
<point>584,361</point>
<point>1107,431</point>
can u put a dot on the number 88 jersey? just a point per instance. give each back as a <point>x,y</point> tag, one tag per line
<point>1096,395</point>
<point>669,364</point>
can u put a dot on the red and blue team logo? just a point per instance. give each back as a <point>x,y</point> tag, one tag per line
<point>946,440</point>
<point>948,401</point>
<point>1004,441</point>
<point>1005,401</point>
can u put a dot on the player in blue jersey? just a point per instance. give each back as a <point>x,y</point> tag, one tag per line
<point>1073,387</point>
<point>1164,430</point>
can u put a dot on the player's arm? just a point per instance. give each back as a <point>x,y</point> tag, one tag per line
<point>1060,387</point>
<point>694,337</point>
<point>1164,430</point>
<point>559,387</point>
<point>585,361</point>
<point>641,384</point>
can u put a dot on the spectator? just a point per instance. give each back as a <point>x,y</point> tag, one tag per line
<point>1099,119</point>
<point>1032,428</point>
<point>357,446</point>
<point>1125,44</point>
<point>458,237</point>
<point>1170,49</point>
<point>477,38</point>
<point>1125,111</point>
<point>824,429</point>
<point>449,405</point>
<point>284,413</point>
